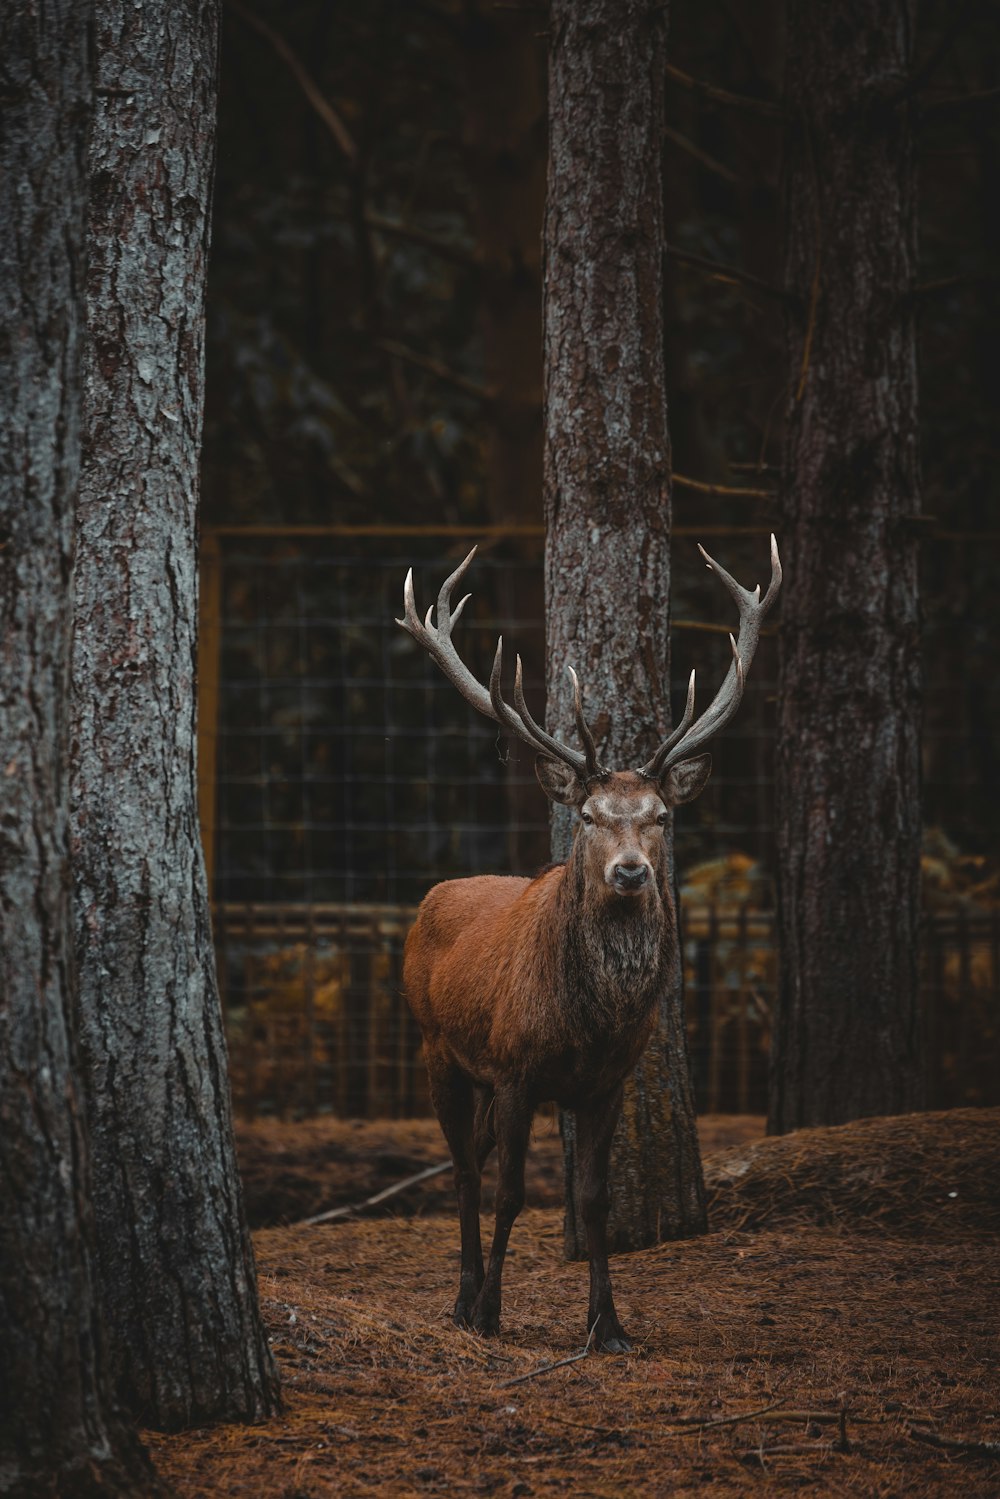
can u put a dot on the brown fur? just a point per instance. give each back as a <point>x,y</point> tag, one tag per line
<point>529,990</point>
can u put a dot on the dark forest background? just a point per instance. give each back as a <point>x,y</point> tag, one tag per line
<point>374,339</point>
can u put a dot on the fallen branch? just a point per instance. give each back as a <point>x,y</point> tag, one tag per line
<point>352,1209</point>
<point>799,1449</point>
<point>561,1363</point>
<point>956,1444</point>
<point>690,1424</point>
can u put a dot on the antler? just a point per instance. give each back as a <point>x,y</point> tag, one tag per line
<point>689,737</point>
<point>437,641</point>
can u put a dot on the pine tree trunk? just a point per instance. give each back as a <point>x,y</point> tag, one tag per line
<point>847,1041</point>
<point>607,508</point>
<point>176,1262</point>
<point>59,1432</point>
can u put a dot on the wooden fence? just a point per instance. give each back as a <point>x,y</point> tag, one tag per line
<point>317,1021</point>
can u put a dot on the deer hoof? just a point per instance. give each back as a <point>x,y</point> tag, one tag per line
<point>610,1337</point>
<point>462,1315</point>
<point>485,1321</point>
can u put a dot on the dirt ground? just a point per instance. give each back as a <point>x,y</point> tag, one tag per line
<point>837,1326</point>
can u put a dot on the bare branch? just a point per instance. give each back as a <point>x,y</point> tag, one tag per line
<point>354,1208</point>
<point>729,273</point>
<point>314,94</point>
<point>561,1363</point>
<point>436,367</point>
<point>688,1425</point>
<point>739,491</point>
<point>945,41</point>
<point>445,248</point>
<point>954,1444</point>
<point>952,105</point>
<point>706,160</point>
<point>762,107</point>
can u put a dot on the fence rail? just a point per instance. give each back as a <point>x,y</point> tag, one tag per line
<point>317,1021</point>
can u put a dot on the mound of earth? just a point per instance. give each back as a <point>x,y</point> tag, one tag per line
<point>292,1170</point>
<point>933,1175</point>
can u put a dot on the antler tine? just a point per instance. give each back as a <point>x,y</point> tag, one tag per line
<point>548,745</point>
<point>594,767</point>
<point>437,642</point>
<point>445,617</point>
<point>752,608</point>
<point>654,766</point>
<point>519,723</point>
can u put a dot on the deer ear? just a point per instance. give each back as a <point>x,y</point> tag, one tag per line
<point>686,781</point>
<point>559,782</point>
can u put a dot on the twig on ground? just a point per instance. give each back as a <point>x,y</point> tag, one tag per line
<point>956,1444</point>
<point>561,1363</point>
<point>604,1431</point>
<point>689,1424</point>
<point>354,1208</point>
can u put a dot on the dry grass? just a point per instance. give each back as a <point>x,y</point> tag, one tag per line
<point>898,1329</point>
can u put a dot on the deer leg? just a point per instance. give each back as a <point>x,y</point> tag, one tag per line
<point>595,1126</point>
<point>483,1135</point>
<point>451,1095</point>
<point>512,1129</point>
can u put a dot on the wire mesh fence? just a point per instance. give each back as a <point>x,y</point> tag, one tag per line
<point>342,775</point>
<point>317,1020</point>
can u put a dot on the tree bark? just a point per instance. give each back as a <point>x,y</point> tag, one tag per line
<point>175,1258</point>
<point>59,1431</point>
<point>607,509</point>
<point>847,1041</point>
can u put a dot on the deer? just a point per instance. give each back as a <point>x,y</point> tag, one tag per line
<point>529,991</point>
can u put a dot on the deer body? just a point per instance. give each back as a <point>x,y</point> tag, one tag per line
<point>547,989</point>
<point>563,996</point>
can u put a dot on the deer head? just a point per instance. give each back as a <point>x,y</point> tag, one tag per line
<point>622,813</point>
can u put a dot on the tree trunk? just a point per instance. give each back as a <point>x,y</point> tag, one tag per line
<point>847,1042</point>
<point>607,508</point>
<point>176,1263</point>
<point>59,1432</point>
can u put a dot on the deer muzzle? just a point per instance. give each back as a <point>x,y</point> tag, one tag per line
<point>629,878</point>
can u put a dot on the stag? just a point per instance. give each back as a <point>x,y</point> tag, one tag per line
<point>532,990</point>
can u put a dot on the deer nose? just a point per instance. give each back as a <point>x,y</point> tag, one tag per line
<point>630,877</point>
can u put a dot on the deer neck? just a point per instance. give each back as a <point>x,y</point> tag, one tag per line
<point>616,952</point>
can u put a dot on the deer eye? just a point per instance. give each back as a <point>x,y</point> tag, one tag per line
<point>663,819</point>
<point>586,817</point>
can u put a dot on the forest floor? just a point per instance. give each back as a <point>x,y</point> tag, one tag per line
<point>835,1334</point>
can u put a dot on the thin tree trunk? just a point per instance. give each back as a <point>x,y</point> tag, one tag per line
<point>607,508</point>
<point>847,1040</point>
<point>176,1262</point>
<point>59,1431</point>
